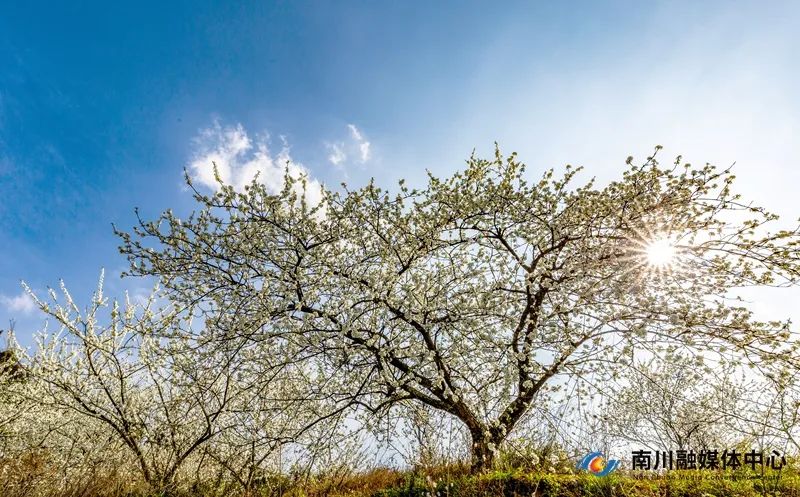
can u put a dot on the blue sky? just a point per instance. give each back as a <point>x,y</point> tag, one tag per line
<point>101,107</point>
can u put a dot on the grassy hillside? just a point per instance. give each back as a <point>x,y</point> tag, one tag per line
<point>447,481</point>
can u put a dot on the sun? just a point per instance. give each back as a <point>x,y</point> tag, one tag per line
<point>661,252</point>
<point>657,254</point>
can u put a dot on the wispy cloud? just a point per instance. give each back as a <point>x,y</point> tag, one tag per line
<point>20,304</point>
<point>239,159</point>
<point>337,155</point>
<point>355,146</point>
<point>363,144</point>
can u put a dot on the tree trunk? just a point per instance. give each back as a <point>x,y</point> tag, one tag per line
<point>484,451</point>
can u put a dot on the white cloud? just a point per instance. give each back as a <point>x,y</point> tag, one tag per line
<point>363,144</point>
<point>22,303</point>
<point>356,145</point>
<point>337,155</point>
<point>240,158</point>
<point>364,149</point>
<point>355,132</point>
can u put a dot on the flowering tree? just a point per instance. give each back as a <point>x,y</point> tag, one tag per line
<point>481,294</point>
<point>148,385</point>
<point>675,403</point>
<point>130,377</point>
<point>272,423</point>
<point>771,413</point>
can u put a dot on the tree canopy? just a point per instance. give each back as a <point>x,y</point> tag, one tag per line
<point>483,293</point>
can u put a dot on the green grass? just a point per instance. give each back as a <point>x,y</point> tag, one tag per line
<point>674,484</point>
<point>439,481</point>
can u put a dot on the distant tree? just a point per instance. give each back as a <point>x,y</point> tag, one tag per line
<point>481,294</point>
<point>10,367</point>
<point>675,403</point>
<point>12,407</point>
<point>120,366</point>
<point>139,374</point>
<point>771,413</point>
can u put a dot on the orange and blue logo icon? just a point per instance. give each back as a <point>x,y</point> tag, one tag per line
<point>595,463</point>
